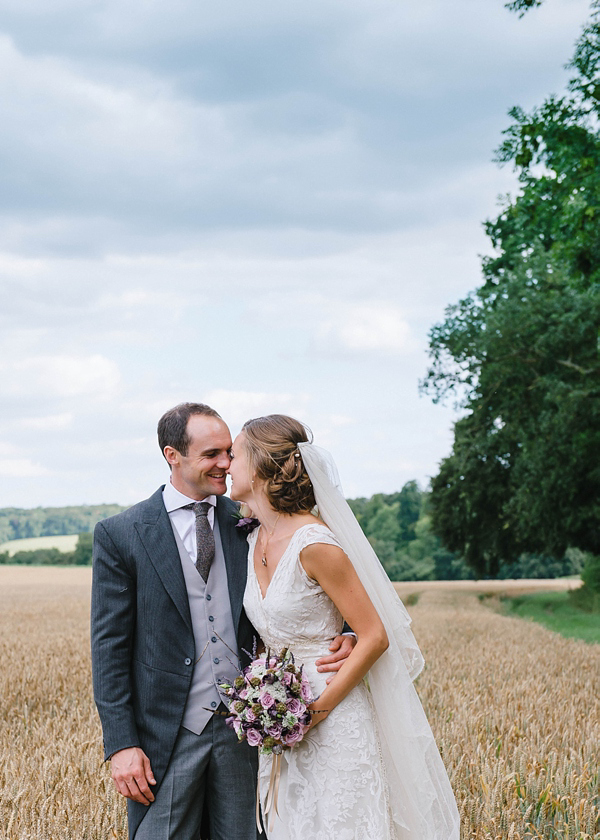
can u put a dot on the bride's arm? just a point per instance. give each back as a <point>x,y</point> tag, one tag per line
<point>328,565</point>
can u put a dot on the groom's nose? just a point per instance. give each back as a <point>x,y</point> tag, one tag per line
<point>224,461</point>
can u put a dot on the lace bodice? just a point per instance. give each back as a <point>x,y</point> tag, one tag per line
<point>295,611</point>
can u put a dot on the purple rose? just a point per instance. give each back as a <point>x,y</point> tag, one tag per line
<point>294,735</point>
<point>254,737</point>
<point>266,700</point>
<point>243,694</point>
<point>275,730</point>
<point>295,706</point>
<point>250,716</point>
<point>305,719</point>
<point>306,692</point>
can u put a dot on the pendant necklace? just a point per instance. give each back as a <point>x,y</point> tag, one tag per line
<point>263,559</point>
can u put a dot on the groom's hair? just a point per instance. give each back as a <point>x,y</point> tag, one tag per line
<point>172,426</point>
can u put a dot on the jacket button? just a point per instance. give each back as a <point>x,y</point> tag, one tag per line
<point>216,660</point>
<point>211,618</point>
<point>187,661</point>
<point>208,597</point>
<point>213,639</point>
<point>213,704</point>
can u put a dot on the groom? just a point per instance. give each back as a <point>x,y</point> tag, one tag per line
<point>167,626</point>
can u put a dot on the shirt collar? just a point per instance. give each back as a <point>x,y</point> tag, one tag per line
<point>173,499</point>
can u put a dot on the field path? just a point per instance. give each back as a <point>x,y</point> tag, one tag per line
<point>514,707</point>
<point>496,587</point>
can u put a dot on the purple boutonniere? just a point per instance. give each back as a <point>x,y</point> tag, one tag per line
<point>245,523</point>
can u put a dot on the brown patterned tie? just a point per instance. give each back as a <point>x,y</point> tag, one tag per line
<point>205,539</point>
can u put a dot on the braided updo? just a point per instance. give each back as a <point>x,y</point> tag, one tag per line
<point>272,445</point>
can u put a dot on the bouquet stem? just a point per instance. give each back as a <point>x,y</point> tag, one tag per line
<point>272,794</point>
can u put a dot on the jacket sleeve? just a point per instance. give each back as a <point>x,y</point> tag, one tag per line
<point>113,618</point>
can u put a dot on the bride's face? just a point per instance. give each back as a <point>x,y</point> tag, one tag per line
<point>239,471</point>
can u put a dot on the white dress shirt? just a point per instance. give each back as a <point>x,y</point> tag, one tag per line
<point>184,521</point>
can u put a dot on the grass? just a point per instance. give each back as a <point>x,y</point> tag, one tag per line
<point>556,612</point>
<point>62,543</point>
<point>515,710</point>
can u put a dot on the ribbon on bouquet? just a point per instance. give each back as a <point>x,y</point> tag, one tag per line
<point>272,794</point>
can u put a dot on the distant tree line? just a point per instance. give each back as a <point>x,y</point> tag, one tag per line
<point>81,556</point>
<point>19,523</point>
<point>399,528</point>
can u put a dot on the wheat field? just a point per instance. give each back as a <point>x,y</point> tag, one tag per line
<point>515,709</point>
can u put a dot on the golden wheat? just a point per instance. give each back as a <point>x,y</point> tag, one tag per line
<point>515,710</point>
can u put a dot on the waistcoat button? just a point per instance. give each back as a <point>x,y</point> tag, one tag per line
<point>211,618</point>
<point>208,597</point>
<point>216,660</point>
<point>213,638</point>
<point>213,704</point>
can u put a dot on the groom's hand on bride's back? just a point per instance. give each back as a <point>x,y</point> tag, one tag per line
<point>132,774</point>
<point>341,647</point>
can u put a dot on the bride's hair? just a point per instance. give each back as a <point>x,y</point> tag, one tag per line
<point>272,445</point>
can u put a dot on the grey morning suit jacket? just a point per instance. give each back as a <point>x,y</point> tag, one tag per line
<point>142,641</point>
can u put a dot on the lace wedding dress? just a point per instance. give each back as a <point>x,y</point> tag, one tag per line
<point>371,770</point>
<point>333,783</point>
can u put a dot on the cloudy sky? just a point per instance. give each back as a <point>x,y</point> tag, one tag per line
<point>264,206</point>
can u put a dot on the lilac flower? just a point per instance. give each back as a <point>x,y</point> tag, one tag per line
<point>254,737</point>
<point>306,692</point>
<point>295,706</point>
<point>267,700</point>
<point>296,734</point>
<point>275,730</point>
<point>247,524</point>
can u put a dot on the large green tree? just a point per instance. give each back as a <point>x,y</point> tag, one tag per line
<point>520,354</point>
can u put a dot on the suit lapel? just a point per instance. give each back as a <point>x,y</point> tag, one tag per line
<point>235,549</point>
<point>156,534</point>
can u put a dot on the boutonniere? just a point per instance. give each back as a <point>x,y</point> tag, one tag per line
<point>244,521</point>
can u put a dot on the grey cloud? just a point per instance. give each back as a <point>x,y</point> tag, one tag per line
<point>146,119</point>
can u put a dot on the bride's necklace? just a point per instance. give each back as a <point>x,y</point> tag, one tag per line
<point>263,559</point>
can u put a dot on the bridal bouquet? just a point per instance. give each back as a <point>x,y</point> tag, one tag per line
<point>268,703</point>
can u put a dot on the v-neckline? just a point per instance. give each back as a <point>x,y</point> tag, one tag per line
<point>284,552</point>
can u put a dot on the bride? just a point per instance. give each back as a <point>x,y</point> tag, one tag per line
<point>368,769</point>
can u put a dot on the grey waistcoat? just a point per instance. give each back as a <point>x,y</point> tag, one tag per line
<point>217,656</point>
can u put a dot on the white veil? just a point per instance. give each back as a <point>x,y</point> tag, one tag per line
<point>421,799</point>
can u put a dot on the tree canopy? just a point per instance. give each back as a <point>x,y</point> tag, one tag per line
<point>20,523</point>
<point>520,354</point>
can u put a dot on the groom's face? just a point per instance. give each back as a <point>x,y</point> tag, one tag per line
<point>202,470</point>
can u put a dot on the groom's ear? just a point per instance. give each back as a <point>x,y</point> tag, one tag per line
<point>172,456</point>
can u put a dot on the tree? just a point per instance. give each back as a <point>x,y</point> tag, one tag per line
<point>82,556</point>
<point>520,353</point>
